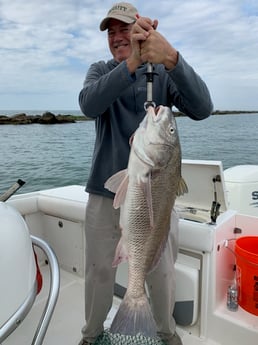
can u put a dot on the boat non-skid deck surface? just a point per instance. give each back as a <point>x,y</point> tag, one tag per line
<point>68,318</point>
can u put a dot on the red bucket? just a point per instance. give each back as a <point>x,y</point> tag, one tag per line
<point>246,250</point>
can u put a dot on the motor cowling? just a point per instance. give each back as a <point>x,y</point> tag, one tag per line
<point>242,188</point>
<point>17,261</point>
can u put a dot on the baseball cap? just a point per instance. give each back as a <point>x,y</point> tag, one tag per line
<point>121,11</point>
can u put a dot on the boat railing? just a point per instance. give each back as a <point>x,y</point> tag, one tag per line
<point>46,316</point>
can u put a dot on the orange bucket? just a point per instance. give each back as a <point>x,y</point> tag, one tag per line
<point>246,250</point>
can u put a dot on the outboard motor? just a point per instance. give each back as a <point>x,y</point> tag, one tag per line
<point>17,265</point>
<point>19,272</point>
<point>242,186</point>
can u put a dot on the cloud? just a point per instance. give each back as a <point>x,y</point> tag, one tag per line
<point>47,46</point>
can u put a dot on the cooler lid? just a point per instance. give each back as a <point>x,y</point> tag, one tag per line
<point>206,197</point>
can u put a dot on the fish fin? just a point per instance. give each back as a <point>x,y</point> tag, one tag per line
<point>148,196</point>
<point>157,256</point>
<point>113,182</point>
<point>160,249</point>
<point>131,139</point>
<point>134,316</point>
<point>121,254</point>
<point>118,184</point>
<point>121,193</point>
<point>182,187</point>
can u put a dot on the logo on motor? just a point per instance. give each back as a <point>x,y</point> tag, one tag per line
<point>255,197</point>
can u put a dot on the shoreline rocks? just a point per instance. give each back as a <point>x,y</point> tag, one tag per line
<point>46,118</point>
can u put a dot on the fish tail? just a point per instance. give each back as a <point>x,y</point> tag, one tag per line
<point>134,316</point>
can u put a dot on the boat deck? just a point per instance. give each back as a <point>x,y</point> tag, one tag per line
<point>68,318</point>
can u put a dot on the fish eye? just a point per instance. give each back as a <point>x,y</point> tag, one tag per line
<point>172,130</point>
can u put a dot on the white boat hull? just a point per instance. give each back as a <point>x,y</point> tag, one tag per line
<point>204,266</point>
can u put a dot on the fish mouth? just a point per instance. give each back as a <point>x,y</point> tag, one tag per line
<point>160,116</point>
<point>156,112</point>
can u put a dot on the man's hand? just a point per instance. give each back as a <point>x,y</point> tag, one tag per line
<point>148,45</point>
<point>139,33</point>
<point>156,49</point>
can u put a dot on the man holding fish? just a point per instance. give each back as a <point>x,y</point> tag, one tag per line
<point>145,185</point>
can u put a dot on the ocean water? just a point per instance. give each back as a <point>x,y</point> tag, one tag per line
<point>48,156</point>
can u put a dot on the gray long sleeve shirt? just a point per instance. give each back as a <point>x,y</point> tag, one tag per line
<point>115,99</point>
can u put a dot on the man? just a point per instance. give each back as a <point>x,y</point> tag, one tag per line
<point>113,95</point>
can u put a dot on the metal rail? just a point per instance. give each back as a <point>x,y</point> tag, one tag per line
<point>16,319</point>
<point>53,291</point>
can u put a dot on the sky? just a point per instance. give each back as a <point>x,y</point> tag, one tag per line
<point>47,46</point>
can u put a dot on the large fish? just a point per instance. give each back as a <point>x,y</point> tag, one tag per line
<point>145,192</point>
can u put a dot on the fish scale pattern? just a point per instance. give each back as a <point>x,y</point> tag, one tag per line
<point>108,338</point>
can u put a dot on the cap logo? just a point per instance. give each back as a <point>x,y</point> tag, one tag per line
<point>118,8</point>
<point>121,11</point>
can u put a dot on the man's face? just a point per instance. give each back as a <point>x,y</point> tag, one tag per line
<point>119,35</point>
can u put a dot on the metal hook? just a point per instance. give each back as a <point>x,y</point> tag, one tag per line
<point>149,104</point>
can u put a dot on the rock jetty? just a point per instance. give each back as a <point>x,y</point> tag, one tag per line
<point>46,118</point>
<point>49,118</point>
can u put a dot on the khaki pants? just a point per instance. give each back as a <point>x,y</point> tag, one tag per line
<point>102,236</point>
